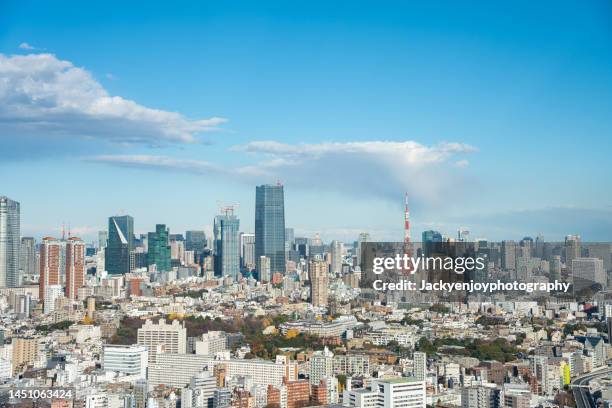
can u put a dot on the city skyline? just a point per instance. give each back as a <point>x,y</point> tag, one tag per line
<point>489,126</point>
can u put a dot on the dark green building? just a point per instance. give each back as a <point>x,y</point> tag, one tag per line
<point>159,249</point>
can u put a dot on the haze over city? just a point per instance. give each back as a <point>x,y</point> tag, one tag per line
<point>492,127</point>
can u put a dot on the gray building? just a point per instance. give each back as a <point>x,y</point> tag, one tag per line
<point>10,244</point>
<point>270,226</point>
<point>27,262</point>
<point>227,245</point>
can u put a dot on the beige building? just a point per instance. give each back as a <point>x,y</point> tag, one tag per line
<point>319,282</point>
<point>25,352</point>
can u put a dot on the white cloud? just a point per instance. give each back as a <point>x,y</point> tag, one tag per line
<point>371,169</point>
<point>26,46</point>
<point>42,95</point>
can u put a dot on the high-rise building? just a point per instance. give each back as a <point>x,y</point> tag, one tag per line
<point>9,242</point>
<point>270,226</point>
<point>227,244</point>
<point>102,239</point>
<point>247,251</point>
<point>572,249</point>
<point>336,250</point>
<point>75,266</point>
<point>430,238</point>
<point>195,241</point>
<point>263,266</point>
<point>419,361</point>
<point>508,255</point>
<point>555,268</point>
<point>52,293</point>
<point>50,265</point>
<point>588,272</point>
<point>170,338</point>
<point>159,248</point>
<point>27,262</point>
<point>319,281</point>
<point>120,244</point>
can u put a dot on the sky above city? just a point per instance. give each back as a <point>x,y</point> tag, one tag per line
<point>493,116</point>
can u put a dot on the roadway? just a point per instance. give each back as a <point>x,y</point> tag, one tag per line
<point>580,388</point>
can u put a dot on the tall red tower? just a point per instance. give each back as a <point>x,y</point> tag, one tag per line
<point>407,243</point>
<point>406,221</point>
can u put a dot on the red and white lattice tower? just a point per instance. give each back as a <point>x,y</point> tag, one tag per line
<point>406,222</point>
<point>407,243</point>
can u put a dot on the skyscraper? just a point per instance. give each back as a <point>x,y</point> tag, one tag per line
<point>195,241</point>
<point>430,238</point>
<point>27,262</point>
<point>270,226</point>
<point>120,244</point>
<point>319,280</point>
<point>75,266</point>
<point>227,244</point>
<point>247,251</point>
<point>9,242</point>
<point>159,248</point>
<point>336,249</point>
<point>50,265</point>
<point>102,239</point>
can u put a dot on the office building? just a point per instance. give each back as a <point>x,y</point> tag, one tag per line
<point>572,249</point>
<point>430,238</point>
<point>227,244</point>
<point>27,256</point>
<point>319,282</point>
<point>75,266</point>
<point>336,250</point>
<point>270,226</point>
<point>263,266</point>
<point>588,273</point>
<point>120,244</point>
<point>159,249</point>
<point>102,239</point>
<point>128,360</point>
<point>195,241</point>
<point>10,244</point>
<point>508,255</point>
<point>247,251</point>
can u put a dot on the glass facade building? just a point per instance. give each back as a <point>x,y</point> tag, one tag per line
<point>159,248</point>
<point>120,244</point>
<point>10,242</point>
<point>227,245</point>
<point>270,226</point>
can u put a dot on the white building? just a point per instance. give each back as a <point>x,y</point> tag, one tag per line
<point>419,363</point>
<point>128,360</point>
<point>321,365</point>
<point>400,392</point>
<point>52,293</point>
<point>176,370</point>
<point>170,338</point>
<point>211,343</point>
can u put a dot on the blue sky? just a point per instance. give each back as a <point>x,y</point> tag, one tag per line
<point>493,116</point>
